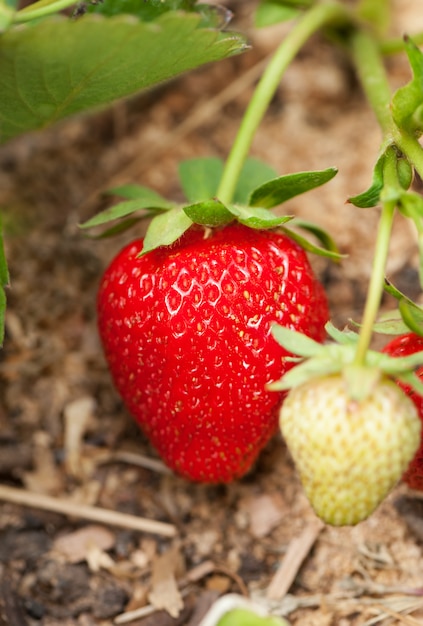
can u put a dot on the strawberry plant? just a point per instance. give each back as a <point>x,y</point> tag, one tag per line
<point>351,431</point>
<point>214,321</point>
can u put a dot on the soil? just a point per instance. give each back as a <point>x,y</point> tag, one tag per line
<point>64,433</point>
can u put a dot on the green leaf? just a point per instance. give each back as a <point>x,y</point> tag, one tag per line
<point>371,197</point>
<point>59,67</point>
<point>253,174</point>
<point>211,16</point>
<point>257,217</point>
<point>279,190</point>
<point>200,178</point>
<point>123,209</point>
<point>408,99</point>
<point>272,12</point>
<point>165,229</point>
<point>209,213</point>
<point>146,11</point>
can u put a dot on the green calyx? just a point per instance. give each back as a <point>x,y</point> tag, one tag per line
<point>259,189</point>
<point>338,356</point>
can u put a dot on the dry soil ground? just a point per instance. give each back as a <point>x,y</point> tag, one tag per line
<point>64,432</point>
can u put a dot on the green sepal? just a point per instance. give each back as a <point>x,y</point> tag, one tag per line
<point>412,380</point>
<point>405,172</point>
<point>329,245</point>
<point>329,361</point>
<point>254,173</point>
<point>389,323</point>
<point>396,366</point>
<point>117,229</point>
<point>151,203</point>
<point>407,100</point>
<point>295,342</point>
<point>411,313</point>
<point>344,337</point>
<point>371,197</point>
<point>257,217</point>
<point>272,12</point>
<point>246,617</point>
<point>411,205</point>
<point>209,213</point>
<point>310,247</point>
<point>412,316</point>
<point>338,357</point>
<point>279,190</point>
<point>165,229</point>
<point>360,380</point>
<point>200,178</point>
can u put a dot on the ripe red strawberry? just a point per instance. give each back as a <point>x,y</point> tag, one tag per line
<point>186,333</point>
<point>403,346</point>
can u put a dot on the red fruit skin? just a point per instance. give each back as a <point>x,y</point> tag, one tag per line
<point>186,334</point>
<point>403,346</point>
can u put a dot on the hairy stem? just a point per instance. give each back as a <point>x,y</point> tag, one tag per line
<point>371,71</point>
<point>312,21</point>
<point>372,75</point>
<point>377,279</point>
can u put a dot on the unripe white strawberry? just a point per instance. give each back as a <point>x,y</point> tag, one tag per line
<point>349,454</point>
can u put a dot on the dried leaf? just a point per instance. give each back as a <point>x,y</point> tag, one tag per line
<point>77,415</point>
<point>265,513</point>
<point>76,546</point>
<point>165,593</point>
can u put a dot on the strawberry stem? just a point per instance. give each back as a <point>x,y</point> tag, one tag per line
<point>377,279</point>
<point>371,71</point>
<point>320,15</point>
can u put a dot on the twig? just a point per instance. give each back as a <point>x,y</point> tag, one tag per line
<point>91,513</point>
<point>297,551</point>
<point>132,458</point>
<point>143,611</point>
<point>397,613</point>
